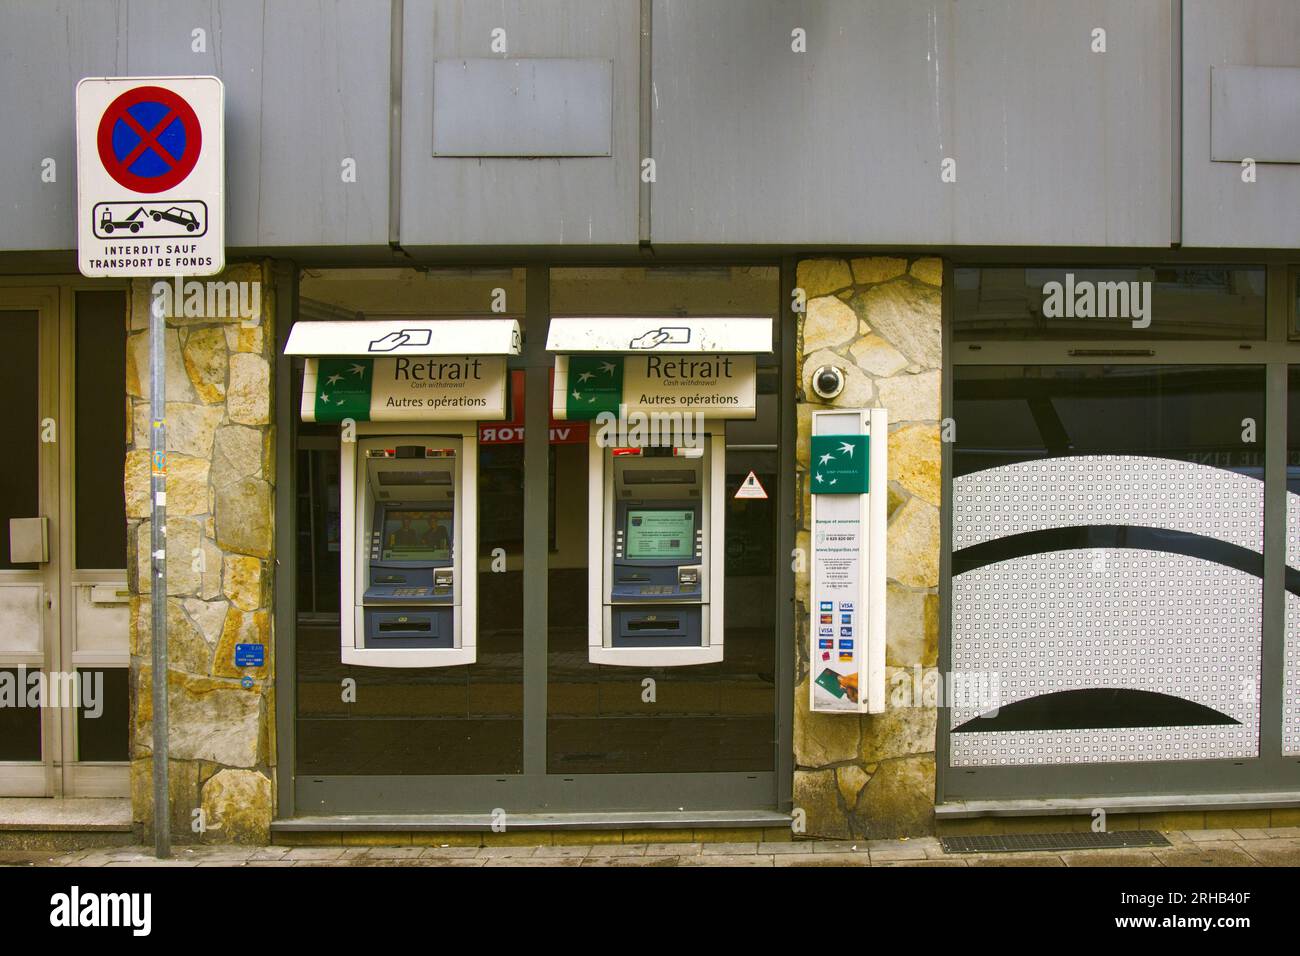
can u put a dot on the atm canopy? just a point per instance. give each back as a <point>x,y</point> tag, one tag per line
<point>405,336</point>
<point>665,334</point>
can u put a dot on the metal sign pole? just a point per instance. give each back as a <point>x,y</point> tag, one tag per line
<point>158,554</point>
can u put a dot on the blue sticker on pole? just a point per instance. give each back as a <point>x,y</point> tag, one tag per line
<point>250,655</point>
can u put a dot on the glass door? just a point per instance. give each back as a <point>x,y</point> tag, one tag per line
<point>1120,587</point>
<point>29,732</point>
<point>64,660</point>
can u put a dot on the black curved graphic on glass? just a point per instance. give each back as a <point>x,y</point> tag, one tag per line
<point>1116,536</point>
<point>1096,708</point>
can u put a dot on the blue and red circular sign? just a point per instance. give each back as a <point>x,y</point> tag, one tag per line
<point>149,139</point>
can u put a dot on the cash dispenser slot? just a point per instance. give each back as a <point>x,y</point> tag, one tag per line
<point>656,627</point>
<point>409,627</point>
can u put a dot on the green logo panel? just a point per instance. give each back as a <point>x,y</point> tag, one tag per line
<point>343,389</point>
<point>840,464</point>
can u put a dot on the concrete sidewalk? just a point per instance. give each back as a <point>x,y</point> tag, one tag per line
<point>1277,846</point>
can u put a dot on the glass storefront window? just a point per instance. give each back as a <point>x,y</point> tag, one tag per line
<point>101,370</point>
<point>703,718</point>
<point>1118,510</point>
<point>417,721</point>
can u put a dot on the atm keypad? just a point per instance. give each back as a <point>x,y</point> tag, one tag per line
<point>412,592</point>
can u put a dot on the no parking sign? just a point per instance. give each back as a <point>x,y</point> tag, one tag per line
<point>150,176</point>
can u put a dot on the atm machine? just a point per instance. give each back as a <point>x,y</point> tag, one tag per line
<point>408,508</point>
<point>658,392</point>
<point>408,394</point>
<point>657,597</point>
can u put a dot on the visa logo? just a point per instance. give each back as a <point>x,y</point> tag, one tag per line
<point>826,632</point>
<point>846,605</point>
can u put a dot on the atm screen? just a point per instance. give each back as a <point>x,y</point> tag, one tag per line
<point>417,534</point>
<point>660,533</point>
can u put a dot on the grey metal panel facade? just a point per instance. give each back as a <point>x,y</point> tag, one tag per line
<point>157,37</point>
<point>1053,144</point>
<point>1255,113</point>
<point>468,201</point>
<point>46,48</point>
<point>1219,209</point>
<point>522,108</point>
<point>1056,144</point>
<point>325,99</point>
<point>306,85</point>
<point>841,144</point>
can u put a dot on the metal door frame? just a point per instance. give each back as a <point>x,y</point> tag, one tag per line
<point>58,774</point>
<point>43,778</point>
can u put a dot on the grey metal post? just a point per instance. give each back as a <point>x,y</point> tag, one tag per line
<point>162,836</point>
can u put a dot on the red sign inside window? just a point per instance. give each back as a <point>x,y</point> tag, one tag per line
<point>511,431</point>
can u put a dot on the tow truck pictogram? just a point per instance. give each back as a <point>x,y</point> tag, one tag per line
<point>107,223</point>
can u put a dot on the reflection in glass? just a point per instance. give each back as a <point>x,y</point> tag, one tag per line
<point>19,343</point>
<point>1160,302</point>
<point>444,720</point>
<point>1014,413</point>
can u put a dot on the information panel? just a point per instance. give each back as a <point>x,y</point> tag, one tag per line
<point>847,585</point>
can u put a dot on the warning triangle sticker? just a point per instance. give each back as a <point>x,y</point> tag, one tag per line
<point>750,487</point>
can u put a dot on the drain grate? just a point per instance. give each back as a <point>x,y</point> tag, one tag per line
<point>1023,842</point>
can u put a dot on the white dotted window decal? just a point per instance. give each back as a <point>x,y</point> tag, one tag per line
<point>1164,623</point>
<point>1115,489</point>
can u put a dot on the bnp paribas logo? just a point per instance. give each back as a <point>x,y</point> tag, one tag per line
<point>1085,299</point>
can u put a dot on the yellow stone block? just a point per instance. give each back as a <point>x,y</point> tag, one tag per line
<point>376,839</point>
<point>1116,822</point>
<point>452,838</point>
<point>518,837</point>
<point>586,837</point>
<point>659,836</point>
<point>1178,820</point>
<point>306,839</point>
<point>1284,817</point>
<point>728,835</point>
<point>1255,817</point>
